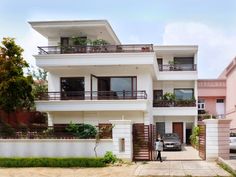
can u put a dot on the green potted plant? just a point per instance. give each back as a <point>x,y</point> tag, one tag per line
<point>169,99</point>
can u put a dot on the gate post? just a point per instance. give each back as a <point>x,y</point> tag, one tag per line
<point>217,138</point>
<point>122,139</point>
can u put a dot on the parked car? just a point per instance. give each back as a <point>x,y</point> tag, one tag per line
<point>171,142</point>
<point>232,144</point>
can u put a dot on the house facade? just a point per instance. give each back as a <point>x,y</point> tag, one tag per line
<point>211,98</point>
<point>229,74</point>
<point>95,79</point>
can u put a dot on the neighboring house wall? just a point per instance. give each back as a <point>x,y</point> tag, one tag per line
<point>231,93</point>
<point>209,90</point>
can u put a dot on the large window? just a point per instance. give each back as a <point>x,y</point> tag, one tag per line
<point>184,63</point>
<point>117,86</point>
<point>184,94</point>
<point>72,87</point>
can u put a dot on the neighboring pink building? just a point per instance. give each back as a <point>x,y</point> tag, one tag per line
<point>229,74</point>
<point>218,96</point>
<point>211,97</point>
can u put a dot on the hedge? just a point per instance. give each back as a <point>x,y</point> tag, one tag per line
<point>52,162</point>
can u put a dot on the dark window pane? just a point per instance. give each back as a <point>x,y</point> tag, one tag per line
<point>184,63</point>
<point>184,94</point>
<point>219,100</point>
<point>72,87</point>
<point>157,94</point>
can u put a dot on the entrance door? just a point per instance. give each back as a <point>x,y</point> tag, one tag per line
<point>178,128</point>
<point>220,107</point>
<point>160,128</point>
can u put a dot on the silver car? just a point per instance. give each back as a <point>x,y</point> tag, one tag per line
<point>171,142</point>
<point>232,144</point>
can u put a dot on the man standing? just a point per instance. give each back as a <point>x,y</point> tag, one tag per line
<point>159,148</point>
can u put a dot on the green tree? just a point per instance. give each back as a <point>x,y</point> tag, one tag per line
<point>15,88</point>
<point>40,83</point>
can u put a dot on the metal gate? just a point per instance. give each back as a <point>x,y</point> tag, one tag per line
<point>144,137</point>
<point>202,140</point>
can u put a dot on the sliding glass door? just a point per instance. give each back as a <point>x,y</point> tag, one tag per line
<point>117,87</point>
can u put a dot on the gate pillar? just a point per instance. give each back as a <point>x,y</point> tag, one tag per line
<point>217,138</point>
<point>122,139</point>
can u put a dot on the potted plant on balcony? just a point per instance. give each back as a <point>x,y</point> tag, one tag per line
<point>98,45</point>
<point>169,99</point>
<point>80,43</point>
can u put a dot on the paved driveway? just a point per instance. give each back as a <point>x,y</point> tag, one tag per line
<point>187,153</point>
<point>180,168</point>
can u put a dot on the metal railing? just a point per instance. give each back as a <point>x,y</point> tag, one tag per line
<point>178,67</point>
<point>176,103</point>
<point>95,49</point>
<point>92,95</point>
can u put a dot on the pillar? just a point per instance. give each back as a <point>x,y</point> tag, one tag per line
<point>217,138</point>
<point>122,139</point>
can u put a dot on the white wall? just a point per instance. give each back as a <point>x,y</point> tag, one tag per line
<point>52,148</point>
<point>95,118</point>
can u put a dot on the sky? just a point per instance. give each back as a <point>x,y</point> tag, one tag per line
<point>210,24</point>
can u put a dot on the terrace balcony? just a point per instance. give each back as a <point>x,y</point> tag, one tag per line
<point>73,49</point>
<point>177,72</point>
<point>92,101</point>
<point>177,103</point>
<point>174,108</point>
<point>178,67</point>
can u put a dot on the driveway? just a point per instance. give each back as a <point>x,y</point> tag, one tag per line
<point>187,153</point>
<point>180,168</point>
<point>166,168</point>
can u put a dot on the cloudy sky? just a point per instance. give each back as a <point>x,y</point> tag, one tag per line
<point>211,24</point>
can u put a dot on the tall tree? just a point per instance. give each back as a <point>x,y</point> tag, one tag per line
<point>15,88</point>
<point>40,80</point>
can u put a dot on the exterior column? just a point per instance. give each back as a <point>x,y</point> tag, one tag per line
<point>184,132</point>
<point>122,139</point>
<point>50,119</point>
<point>217,138</point>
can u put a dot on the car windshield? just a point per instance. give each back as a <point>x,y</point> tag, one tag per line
<point>171,136</point>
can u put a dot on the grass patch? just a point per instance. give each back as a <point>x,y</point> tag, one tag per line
<point>52,162</point>
<point>226,168</point>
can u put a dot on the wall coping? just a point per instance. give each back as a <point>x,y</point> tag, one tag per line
<point>216,121</point>
<point>121,122</point>
<point>54,140</point>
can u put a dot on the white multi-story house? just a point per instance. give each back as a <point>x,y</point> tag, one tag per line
<point>97,83</point>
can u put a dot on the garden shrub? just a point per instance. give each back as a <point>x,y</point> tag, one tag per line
<point>194,138</point>
<point>52,162</point>
<point>84,131</point>
<point>109,157</point>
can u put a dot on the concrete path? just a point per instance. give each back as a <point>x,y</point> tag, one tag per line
<point>180,168</point>
<point>187,153</point>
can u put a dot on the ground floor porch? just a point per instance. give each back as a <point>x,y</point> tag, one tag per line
<point>182,125</point>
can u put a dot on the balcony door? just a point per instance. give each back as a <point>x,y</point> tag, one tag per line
<point>117,87</point>
<point>72,88</point>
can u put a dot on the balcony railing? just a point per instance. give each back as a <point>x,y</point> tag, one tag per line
<point>95,49</point>
<point>178,67</point>
<point>177,103</point>
<point>94,95</point>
